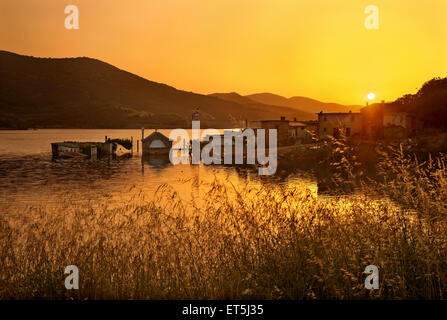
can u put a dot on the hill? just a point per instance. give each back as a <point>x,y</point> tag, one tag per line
<point>429,104</point>
<point>301,103</point>
<point>88,93</point>
<point>235,97</point>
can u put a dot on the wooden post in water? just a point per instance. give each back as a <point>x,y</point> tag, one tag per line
<point>131,142</point>
<point>138,147</point>
<point>93,153</point>
<point>110,150</point>
<point>142,138</point>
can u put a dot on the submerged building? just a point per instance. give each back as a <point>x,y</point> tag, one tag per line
<point>156,144</point>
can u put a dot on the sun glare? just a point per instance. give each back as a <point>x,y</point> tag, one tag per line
<point>371,96</point>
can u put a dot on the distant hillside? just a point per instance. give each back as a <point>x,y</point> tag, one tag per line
<point>235,97</point>
<point>88,93</point>
<point>301,103</point>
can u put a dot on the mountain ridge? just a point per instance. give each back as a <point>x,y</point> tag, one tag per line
<point>303,103</point>
<point>243,100</point>
<point>89,93</point>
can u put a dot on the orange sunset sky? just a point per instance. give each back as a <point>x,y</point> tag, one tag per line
<point>315,48</point>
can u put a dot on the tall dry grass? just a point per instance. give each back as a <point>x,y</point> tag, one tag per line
<point>266,242</point>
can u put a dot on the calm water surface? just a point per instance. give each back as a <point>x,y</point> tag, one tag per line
<point>29,176</point>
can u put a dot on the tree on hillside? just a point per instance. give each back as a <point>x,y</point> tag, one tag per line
<point>429,103</point>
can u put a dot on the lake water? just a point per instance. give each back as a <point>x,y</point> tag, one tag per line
<point>30,177</point>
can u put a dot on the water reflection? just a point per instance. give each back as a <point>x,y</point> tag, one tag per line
<point>157,161</point>
<point>29,176</point>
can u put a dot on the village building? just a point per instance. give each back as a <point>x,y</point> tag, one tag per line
<point>371,123</point>
<point>156,144</point>
<point>297,129</point>
<point>302,131</point>
<point>380,123</point>
<point>289,132</point>
<point>282,129</point>
<point>339,124</point>
<point>399,125</point>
